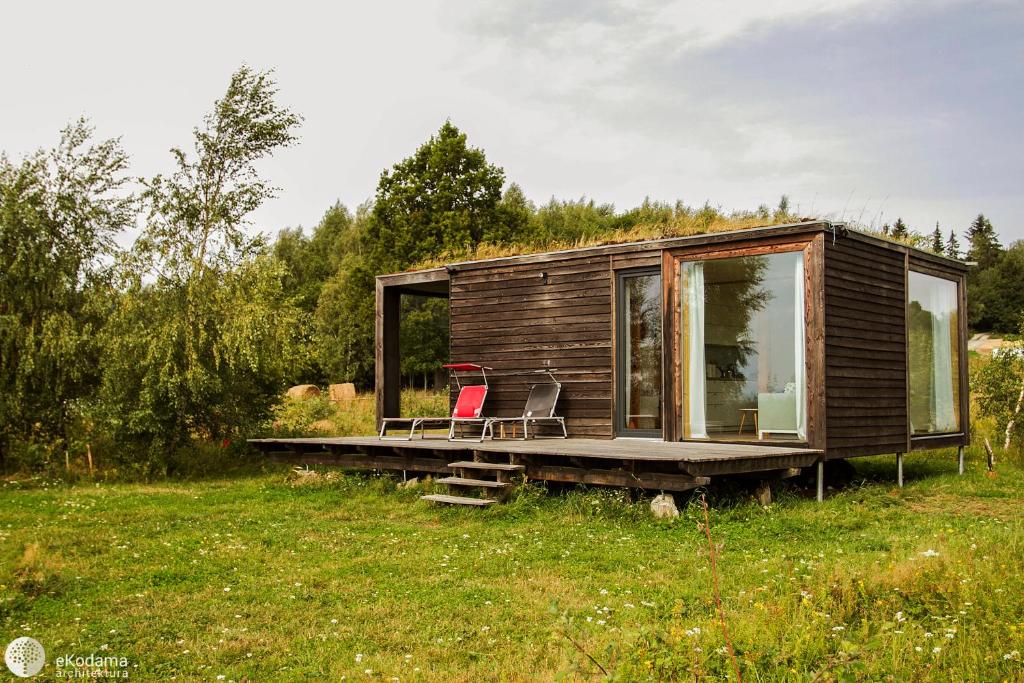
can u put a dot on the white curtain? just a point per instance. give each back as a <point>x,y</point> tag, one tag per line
<point>692,294</point>
<point>942,304</point>
<point>800,374</point>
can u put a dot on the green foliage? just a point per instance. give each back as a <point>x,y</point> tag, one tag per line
<point>997,385</point>
<point>952,245</point>
<point>938,246</point>
<point>312,260</point>
<point>204,337</point>
<point>445,196</point>
<point>983,244</point>
<point>59,212</point>
<point>996,293</point>
<point>899,230</point>
<point>423,337</point>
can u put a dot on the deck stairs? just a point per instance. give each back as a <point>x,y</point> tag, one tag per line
<point>490,481</point>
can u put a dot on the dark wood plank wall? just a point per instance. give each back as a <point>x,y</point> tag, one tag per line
<point>514,320</point>
<point>865,348</point>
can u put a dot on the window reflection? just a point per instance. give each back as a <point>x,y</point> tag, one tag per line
<point>641,353</point>
<point>934,354</point>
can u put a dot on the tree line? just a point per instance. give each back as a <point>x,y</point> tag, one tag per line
<point>190,334</point>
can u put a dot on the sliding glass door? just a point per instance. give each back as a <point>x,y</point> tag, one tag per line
<point>639,361</point>
<point>742,341</point>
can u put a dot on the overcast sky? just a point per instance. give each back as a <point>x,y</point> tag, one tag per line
<point>858,109</point>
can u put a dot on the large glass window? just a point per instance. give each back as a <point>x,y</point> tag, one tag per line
<point>742,343</point>
<point>934,355</point>
<point>639,346</point>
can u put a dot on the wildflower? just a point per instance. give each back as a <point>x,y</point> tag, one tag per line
<point>917,648</point>
<point>929,553</point>
<point>221,677</point>
<point>227,589</point>
<point>900,618</point>
<point>936,650</point>
<point>928,634</point>
<point>838,628</point>
<point>359,658</point>
<point>334,621</point>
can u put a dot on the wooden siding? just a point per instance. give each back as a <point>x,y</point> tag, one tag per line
<point>865,348</point>
<point>513,319</point>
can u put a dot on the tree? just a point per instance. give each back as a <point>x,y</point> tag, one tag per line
<point>59,212</point>
<point>204,336</point>
<point>444,198</point>
<point>938,245</point>
<point>952,245</point>
<point>998,386</point>
<point>899,230</point>
<point>312,260</point>
<point>983,244</point>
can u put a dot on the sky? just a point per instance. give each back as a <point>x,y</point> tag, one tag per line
<point>859,110</point>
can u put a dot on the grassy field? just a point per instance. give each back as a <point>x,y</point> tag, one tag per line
<point>276,577</point>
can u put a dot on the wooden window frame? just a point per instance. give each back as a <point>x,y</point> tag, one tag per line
<point>813,248</point>
<point>962,436</point>
<point>619,429</point>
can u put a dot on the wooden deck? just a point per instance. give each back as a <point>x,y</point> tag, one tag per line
<point>619,462</point>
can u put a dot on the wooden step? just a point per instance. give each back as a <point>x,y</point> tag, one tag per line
<point>496,466</point>
<point>460,481</point>
<point>458,500</point>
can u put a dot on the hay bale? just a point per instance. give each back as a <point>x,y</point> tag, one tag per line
<point>341,392</point>
<point>303,391</point>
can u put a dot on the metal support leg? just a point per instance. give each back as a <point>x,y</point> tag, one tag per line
<point>899,470</point>
<point>960,459</point>
<point>821,480</point>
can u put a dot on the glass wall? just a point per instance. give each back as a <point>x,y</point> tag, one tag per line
<point>934,355</point>
<point>639,347</point>
<point>742,342</point>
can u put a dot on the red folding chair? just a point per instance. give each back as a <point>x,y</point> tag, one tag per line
<point>468,408</point>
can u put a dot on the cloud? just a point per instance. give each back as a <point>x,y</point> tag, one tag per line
<point>919,103</point>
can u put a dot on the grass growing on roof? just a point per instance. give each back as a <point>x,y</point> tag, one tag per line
<point>279,577</point>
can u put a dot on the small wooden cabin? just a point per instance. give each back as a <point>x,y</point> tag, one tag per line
<point>810,334</point>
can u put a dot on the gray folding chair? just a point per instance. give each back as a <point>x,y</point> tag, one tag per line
<point>539,410</point>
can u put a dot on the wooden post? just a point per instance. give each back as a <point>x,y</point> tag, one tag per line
<point>386,374</point>
<point>899,470</point>
<point>960,459</point>
<point>821,480</point>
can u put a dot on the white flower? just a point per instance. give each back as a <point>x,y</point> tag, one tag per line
<point>220,677</point>
<point>359,658</point>
<point>334,621</point>
<point>936,650</point>
<point>227,589</point>
<point>929,553</point>
<point>900,618</point>
<point>838,628</point>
